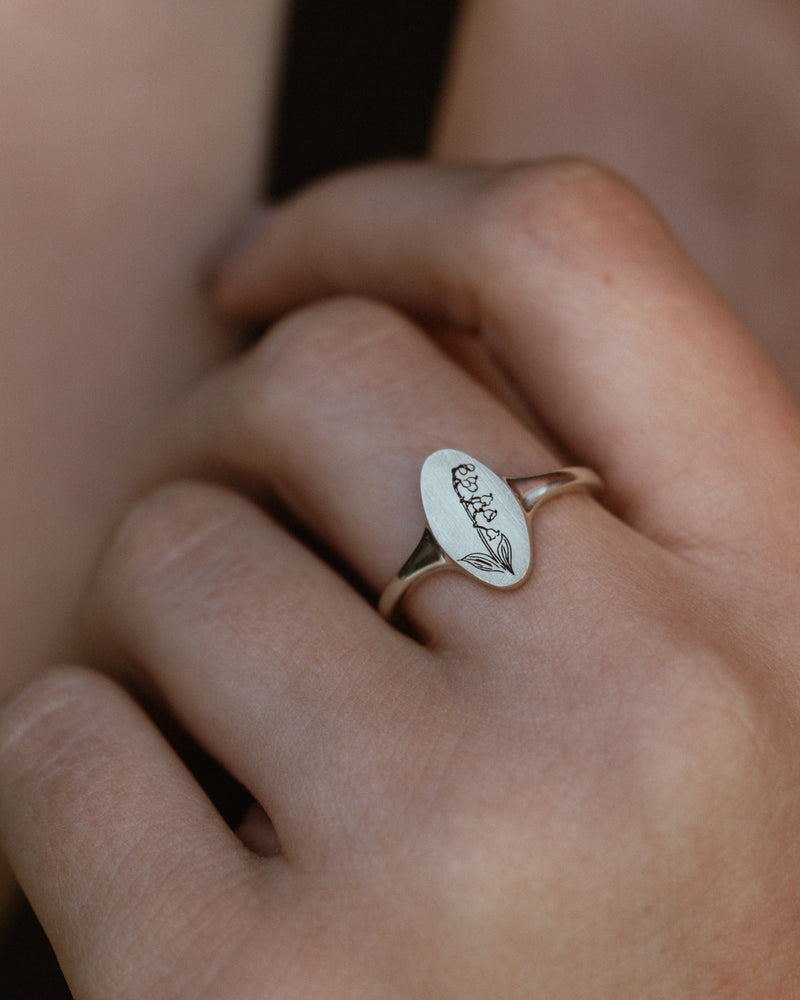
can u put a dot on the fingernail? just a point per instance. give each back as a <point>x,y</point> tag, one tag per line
<point>236,245</point>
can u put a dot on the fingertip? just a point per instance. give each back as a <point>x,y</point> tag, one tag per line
<point>222,278</point>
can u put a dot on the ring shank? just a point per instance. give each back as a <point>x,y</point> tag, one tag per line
<point>534,490</point>
<point>428,557</point>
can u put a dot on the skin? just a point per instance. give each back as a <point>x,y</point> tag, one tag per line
<point>130,156</point>
<point>719,197</point>
<point>586,787</point>
<point>695,101</point>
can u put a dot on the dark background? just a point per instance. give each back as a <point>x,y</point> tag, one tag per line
<point>359,83</point>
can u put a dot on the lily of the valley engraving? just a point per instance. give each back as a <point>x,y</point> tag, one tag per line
<point>476,518</point>
<point>496,556</point>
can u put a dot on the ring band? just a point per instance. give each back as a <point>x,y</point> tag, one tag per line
<point>478,522</point>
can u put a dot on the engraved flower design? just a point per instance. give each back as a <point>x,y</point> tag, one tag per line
<point>463,490</point>
<point>481,507</point>
<point>497,555</point>
<point>462,480</point>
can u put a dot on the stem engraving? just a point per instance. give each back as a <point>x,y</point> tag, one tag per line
<point>497,557</point>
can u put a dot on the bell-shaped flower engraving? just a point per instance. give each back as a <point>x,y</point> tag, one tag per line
<point>475,518</point>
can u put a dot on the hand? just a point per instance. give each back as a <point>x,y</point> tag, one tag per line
<point>584,787</point>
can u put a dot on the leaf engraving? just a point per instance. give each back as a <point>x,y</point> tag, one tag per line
<point>482,562</point>
<point>504,553</point>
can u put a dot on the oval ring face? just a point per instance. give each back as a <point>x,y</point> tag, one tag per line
<point>476,518</point>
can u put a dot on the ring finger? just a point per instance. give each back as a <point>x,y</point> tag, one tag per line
<point>335,411</point>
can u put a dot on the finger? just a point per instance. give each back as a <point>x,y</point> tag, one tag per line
<point>97,814</point>
<point>335,411</point>
<point>609,330</point>
<point>268,658</point>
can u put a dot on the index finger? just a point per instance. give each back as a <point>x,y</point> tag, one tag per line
<point>610,331</point>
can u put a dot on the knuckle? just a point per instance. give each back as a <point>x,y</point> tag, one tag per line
<point>574,209</point>
<point>53,691</point>
<point>322,349</point>
<point>711,737</point>
<point>165,534</point>
<point>333,335</point>
<point>45,740</point>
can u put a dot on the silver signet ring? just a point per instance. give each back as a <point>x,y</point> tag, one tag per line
<point>478,522</point>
